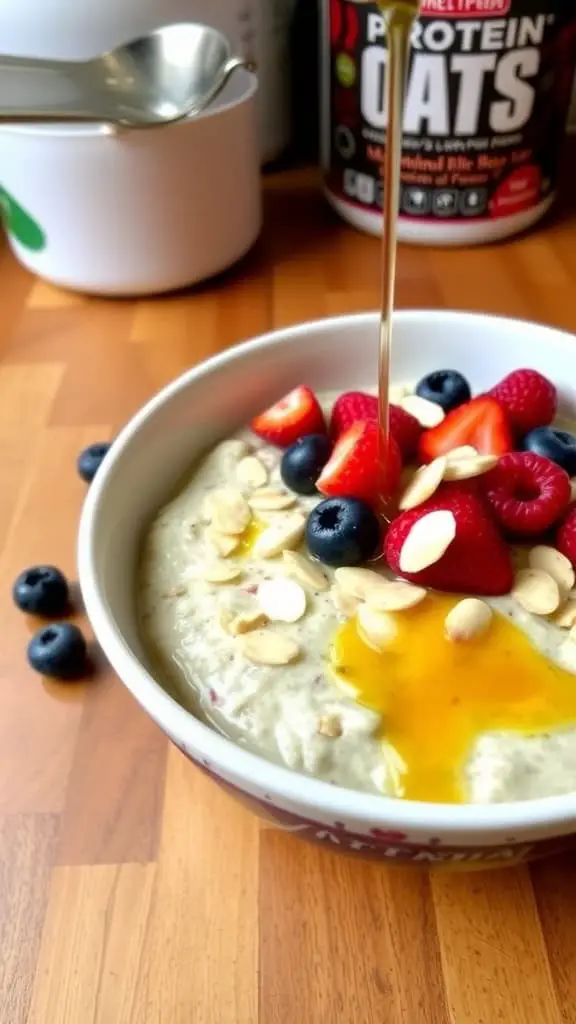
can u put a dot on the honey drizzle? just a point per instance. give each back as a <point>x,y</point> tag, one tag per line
<point>400,17</point>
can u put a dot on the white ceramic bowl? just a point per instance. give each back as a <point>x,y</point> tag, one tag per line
<point>206,404</point>
<point>138,211</point>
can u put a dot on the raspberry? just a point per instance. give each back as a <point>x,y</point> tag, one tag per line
<point>405,430</point>
<point>566,534</point>
<point>527,493</point>
<point>528,399</point>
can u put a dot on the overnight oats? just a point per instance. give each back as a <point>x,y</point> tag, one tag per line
<point>433,658</point>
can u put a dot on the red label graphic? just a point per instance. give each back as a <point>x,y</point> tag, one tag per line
<point>465,8</point>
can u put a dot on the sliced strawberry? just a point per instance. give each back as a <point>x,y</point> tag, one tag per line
<point>353,468</point>
<point>476,562</point>
<point>350,407</point>
<point>406,431</point>
<point>481,423</point>
<point>295,415</point>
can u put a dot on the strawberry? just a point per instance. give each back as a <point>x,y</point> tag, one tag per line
<point>406,431</point>
<point>350,407</point>
<point>566,534</point>
<point>356,405</point>
<point>294,416</point>
<point>480,423</point>
<point>476,562</point>
<point>526,492</point>
<point>528,399</point>
<point>353,468</point>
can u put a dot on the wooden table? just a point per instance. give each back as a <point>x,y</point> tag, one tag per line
<point>132,891</point>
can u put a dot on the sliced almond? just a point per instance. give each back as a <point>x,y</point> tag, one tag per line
<point>397,392</point>
<point>330,726</point>
<point>224,544</point>
<point>252,472</point>
<point>282,600</point>
<point>267,499</point>
<point>242,622</point>
<point>358,582</point>
<point>566,617</point>
<point>536,591</point>
<point>229,511</point>
<point>305,571</point>
<point>467,620</point>
<point>553,562</point>
<point>282,535</point>
<point>377,629</point>
<point>428,414</point>
<point>220,572</point>
<point>427,541</point>
<point>345,603</point>
<point>232,448</point>
<point>395,596</point>
<point>464,451</point>
<point>423,484</point>
<point>467,468</point>
<point>265,647</point>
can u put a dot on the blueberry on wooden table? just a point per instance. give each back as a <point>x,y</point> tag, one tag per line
<point>41,590</point>
<point>59,651</point>
<point>89,460</point>
<point>342,531</point>
<point>447,388</point>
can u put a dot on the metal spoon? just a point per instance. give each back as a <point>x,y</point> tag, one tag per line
<point>170,74</point>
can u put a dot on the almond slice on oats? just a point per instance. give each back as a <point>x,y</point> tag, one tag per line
<point>265,647</point>
<point>395,596</point>
<point>466,468</point>
<point>220,572</point>
<point>282,600</point>
<point>536,591</point>
<point>345,603</point>
<point>428,414</point>
<point>397,392</point>
<point>223,543</point>
<point>464,451</point>
<point>282,535</point>
<point>566,617</point>
<point>423,484</point>
<point>329,726</point>
<point>377,629</point>
<point>305,571</point>
<point>268,499</point>
<point>252,472</point>
<point>427,541</point>
<point>467,620</point>
<point>243,621</point>
<point>229,511</point>
<point>553,562</point>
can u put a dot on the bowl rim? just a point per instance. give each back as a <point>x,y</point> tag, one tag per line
<point>282,783</point>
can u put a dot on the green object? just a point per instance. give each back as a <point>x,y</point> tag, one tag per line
<point>20,224</point>
<point>345,70</point>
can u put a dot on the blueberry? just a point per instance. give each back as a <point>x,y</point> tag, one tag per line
<point>447,388</point>
<point>58,650</point>
<point>557,445</point>
<point>342,531</point>
<point>41,590</point>
<point>303,462</point>
<point>89,460</point>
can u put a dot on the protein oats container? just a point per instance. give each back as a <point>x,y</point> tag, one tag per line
<point>488,94</point>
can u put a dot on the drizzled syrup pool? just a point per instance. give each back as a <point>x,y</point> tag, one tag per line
<point>437,697</point>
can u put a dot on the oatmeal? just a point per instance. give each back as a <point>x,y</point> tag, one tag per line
<point>341,673</point>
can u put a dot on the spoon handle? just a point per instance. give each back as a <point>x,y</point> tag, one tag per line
<point>43,90</point>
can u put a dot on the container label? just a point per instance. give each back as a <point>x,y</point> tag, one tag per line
<point>488,92</point>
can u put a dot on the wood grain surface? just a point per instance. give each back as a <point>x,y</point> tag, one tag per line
<point>133,891</point>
